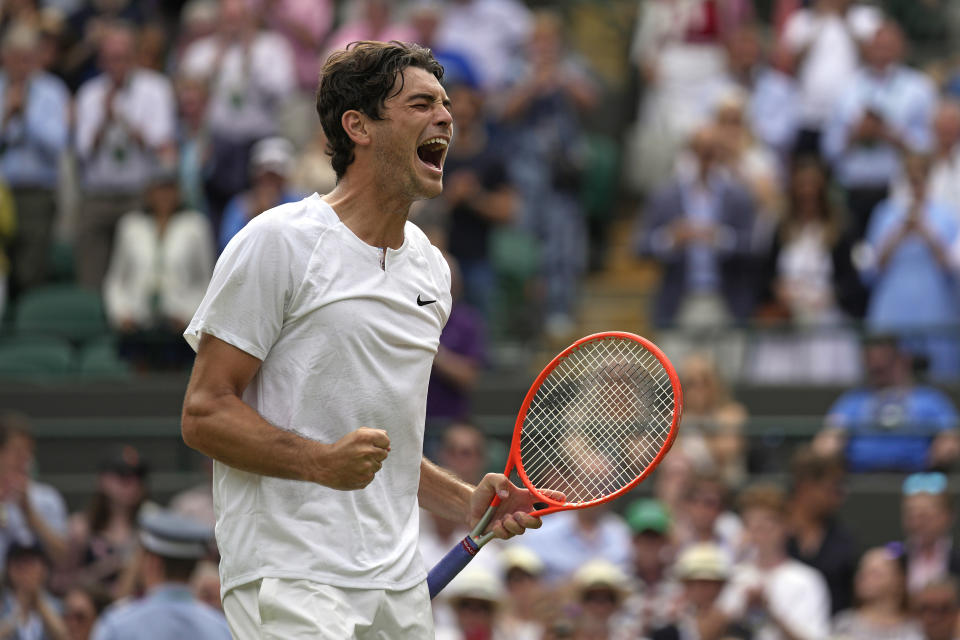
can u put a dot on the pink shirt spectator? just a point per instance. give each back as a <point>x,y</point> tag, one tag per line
<point>305,24</point>
<point>371,21</point>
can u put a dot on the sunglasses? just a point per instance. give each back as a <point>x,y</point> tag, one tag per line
<point>932,482</point>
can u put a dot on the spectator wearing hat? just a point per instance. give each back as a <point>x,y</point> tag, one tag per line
<point>891,424</point>
<point>31,512</point>
<point>476,598</point>
<point>927,518</point>
<point>28,611</point>
<point>171,547</point>
<point>778,597</point>
<point>569,539</point>
<point>271,161</point>
<point>703,570</point>
<point>817,538</point>
<point>103,538</point>
<point>655,592</point>
<point>161,263</point>
<point>529,604</point>
<point>601,589</point>
<point>34,126</point>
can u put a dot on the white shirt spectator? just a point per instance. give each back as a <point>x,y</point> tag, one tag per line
<point>564,546</point>
<point>489,33</point>
<point>174,267</point>
<point>145,104</point>
<point>45,502</point>
<point>829,44</point>
<point>796,594</point>
<point>248,84</point>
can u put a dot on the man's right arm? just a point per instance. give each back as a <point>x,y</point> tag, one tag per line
<point>217,422</point>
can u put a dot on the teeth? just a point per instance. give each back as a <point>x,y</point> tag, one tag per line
<point>439,141</point>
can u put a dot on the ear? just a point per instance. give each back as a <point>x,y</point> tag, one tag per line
<point>355,124</point>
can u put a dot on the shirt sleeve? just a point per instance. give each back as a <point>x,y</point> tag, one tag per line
<point>158,127</point>
<point>802,605</point>
<point>252,285</point>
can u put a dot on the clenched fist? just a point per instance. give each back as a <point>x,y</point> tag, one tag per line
<point>352,461</point>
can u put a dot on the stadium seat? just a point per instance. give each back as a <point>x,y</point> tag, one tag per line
<point>60,263</point>
<point>65,311</point>
<point>99,359</point>
<point>35,356</point>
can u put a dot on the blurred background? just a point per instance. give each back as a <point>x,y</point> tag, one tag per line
<point>767,189</point>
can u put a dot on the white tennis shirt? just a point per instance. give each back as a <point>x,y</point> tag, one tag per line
<point>344,344</point>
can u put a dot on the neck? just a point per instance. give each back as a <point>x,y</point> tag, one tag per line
<point>377,217</point>
<point>885,608</point>
<point>769,558</point>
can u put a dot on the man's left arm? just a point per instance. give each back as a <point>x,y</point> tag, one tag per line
<point>447,496</point>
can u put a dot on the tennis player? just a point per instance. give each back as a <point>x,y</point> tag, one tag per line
<point>314,346</point>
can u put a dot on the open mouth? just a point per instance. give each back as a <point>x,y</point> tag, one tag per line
<point>432,151</point>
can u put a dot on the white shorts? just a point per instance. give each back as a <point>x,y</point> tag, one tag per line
<point>280,609</point>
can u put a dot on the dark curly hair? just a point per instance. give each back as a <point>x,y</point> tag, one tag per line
<point>361,77</point>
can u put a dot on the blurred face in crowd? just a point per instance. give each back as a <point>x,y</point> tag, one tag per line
<point>946,125</point>
<point>704,147</point>
<point>827,492</point>
<point>926,518</point>
<point>475,617</point>
<point>163,198</point>
<point>18,61</point>
<point>79,614</point>
<point>702,593</point>
<point>124,489</point>
<point>700,388</point>
<point>117,54</point>
<point>704,505</point>
<point>192,98</point>
<point>886,47</point>
<point>27,572</point>
<point>522,586</point>
<point>466,105</point>
<point>234,18</point>
<point>765,530</point>
<point>937,609</point>
<point>377,13</point>
<point>879,577</point>
<point>546,38</point>
<point>464,452</point>
<point>884,365</point>
<point>424,21</point>
<point>807,185</point>
<point>600,601</point>
<point>743,49</point>
<point>649,551</point>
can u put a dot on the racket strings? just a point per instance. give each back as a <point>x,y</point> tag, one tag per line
<point>598,420</point>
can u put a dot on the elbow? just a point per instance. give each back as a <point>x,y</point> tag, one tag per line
<point>191,422</point>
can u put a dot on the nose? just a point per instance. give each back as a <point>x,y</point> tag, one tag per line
<point>443,117</point>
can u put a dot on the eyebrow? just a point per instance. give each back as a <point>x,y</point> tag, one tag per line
<point>430,98</point>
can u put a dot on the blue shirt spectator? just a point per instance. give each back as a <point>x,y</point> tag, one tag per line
<point>892,424</point>
<point>33,136</point>
<point>914,290</point>
<point>886,106</point>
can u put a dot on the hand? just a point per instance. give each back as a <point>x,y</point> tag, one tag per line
<point>353,460</point>
<point>15,100</point>
<point>461,186</point>
<point>871,127</point>
<point>756,598</point>
<point>512,516</point>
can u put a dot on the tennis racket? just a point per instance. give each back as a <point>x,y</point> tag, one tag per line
<point>597,420</point>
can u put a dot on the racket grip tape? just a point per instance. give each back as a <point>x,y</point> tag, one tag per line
<point>452,563</point>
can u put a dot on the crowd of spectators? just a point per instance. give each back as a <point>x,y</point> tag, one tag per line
<point>796,167</point>
<point>801,175</point>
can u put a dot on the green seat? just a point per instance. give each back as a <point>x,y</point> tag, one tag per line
<point>99,359</point>
<point>60,262</point>
<point>65,311</point>
<point>32,357</point>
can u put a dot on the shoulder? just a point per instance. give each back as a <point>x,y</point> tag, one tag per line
<point>200,52</point>
<point>295,221</point>
<point>796,573</point>
<point>51,85</point>
<point>931,396</point>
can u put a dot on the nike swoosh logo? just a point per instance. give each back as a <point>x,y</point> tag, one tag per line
<point>421,303</point>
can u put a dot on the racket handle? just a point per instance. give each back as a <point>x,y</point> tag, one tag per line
<point>452,563</point>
